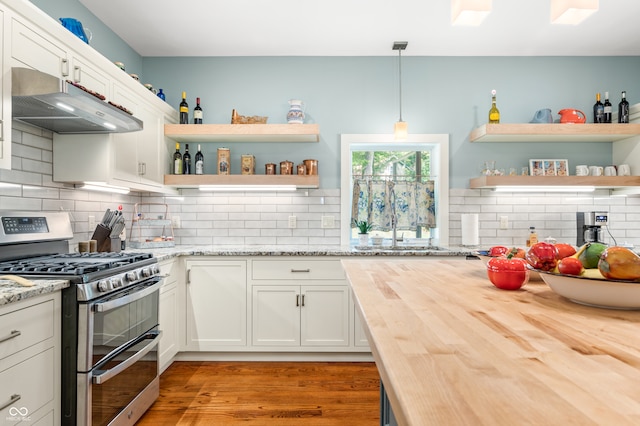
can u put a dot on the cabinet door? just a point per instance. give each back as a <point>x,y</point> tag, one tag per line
<point>5,104</point>
<point>168,319</point>
<point>324,315</point>
<point>276,315</point>
<point>216,304</point>
<point>125,145</point>
<point>360,338</point>
<point>85,73</point>
<point>36,51</point>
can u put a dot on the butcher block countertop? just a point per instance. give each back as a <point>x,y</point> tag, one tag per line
<point>454,350</point>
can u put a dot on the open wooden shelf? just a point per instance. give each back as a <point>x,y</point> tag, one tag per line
<point>194,181</point>
<point>243,132</point>
<point>529,132</point>
<point>604,182</point>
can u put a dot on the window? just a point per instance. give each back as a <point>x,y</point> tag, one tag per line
<point>397,158</point>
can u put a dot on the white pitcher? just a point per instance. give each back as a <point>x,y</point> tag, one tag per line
<point>296,112</point>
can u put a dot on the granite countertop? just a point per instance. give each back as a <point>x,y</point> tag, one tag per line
<point>452,349</point>
<point>280,250</point>
<point>11,291</point>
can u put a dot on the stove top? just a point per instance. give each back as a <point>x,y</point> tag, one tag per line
<point>74,264</point>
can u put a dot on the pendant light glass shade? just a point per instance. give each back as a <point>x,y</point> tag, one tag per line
<point>469,12</point>
<point>400,129</point>
<point>572,12</point>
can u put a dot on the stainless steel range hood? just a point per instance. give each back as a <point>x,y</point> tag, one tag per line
<point>46,101</point>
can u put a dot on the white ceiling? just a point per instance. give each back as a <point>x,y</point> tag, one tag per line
<point>362,28</point>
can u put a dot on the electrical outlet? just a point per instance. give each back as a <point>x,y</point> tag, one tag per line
<point>328,222</point>
<point>175,221</point>
<point>504,222</point>
<point>92,222</point>
<point>292,221</point>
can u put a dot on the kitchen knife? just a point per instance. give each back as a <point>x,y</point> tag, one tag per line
<point>105,217</point>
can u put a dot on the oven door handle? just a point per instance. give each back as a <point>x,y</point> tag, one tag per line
<point>125,300</point>
<point>112,372</point>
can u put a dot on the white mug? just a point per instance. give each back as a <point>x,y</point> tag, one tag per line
<point>624,170</point>
<point>596,170</point>
<point>610,171</point>
<point>582,170</point>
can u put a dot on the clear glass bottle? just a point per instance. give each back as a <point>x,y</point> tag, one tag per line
<point>494,113</point>
<point>532,239</point>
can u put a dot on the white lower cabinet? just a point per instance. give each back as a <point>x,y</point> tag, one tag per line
<point>360,338</point>
<point>216,305</point>
<point>306,315</point>
<point>30,361</point>
<point>168,314</point>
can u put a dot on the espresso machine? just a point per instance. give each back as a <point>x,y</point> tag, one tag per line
<point>589,227</point>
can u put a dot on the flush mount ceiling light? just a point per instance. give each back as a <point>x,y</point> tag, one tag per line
<point>400,130</point>
<point>572,12</point>
<point>469,12</point>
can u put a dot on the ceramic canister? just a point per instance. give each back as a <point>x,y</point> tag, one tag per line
<point>224,164</point>
<point>248,164</point>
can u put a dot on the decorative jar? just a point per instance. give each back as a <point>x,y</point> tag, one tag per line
<point>296,112</point>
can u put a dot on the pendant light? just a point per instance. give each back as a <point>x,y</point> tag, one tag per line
<point>400,128</point>
<point>572,12</point>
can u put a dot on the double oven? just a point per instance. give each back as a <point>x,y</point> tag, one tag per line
<point>110,330</point>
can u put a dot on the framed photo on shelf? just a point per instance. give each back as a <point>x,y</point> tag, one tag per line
<point>550,167</point>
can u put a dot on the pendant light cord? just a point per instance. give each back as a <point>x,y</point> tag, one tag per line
<point>400,79</point>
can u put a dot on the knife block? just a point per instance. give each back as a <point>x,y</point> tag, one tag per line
<point>105,243</point>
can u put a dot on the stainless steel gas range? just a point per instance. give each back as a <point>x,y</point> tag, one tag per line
<point>110,326</point>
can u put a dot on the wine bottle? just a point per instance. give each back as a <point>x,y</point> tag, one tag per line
<point>494,114</point>
<point>186,161</point>
<point>199,162</point>
<point>608,109</point>
<point>623,109</point>
<point>197,113</point>
<point>177,160</point>
<point>184,109</point>
<point>598,110</point>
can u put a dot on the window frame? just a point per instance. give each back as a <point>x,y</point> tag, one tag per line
<point>438,144</point>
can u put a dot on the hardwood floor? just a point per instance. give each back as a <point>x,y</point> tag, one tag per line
<point>267,393</point>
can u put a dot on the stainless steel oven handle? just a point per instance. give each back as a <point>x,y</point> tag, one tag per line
<point>112,372</point>
<point>125,300</point>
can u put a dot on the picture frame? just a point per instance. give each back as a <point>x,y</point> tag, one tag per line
<point>548,167</point>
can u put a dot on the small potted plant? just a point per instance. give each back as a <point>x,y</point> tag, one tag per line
<point>363,231</point>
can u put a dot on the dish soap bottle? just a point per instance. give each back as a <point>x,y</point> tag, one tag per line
<point>533,236</point>
<point>494,114</point>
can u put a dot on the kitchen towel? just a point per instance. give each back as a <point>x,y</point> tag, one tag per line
<point>469,225</point>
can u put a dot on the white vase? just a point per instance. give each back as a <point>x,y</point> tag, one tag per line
<point>296,113</point>
<point>363,239</point>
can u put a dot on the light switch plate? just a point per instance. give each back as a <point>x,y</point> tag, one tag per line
<point>292,222</point>
<point>504,222</point>
<point>328,222</point>
<point>92,222</point>
<point>175,221</point>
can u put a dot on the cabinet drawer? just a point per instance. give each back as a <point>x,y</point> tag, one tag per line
<point>30,384</point>
<point>25,327</point>
<point>297,270</point>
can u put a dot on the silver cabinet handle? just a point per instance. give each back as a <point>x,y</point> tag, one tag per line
<point>64,67</point>
<point>12,335</point>
<point>14,398</point>
<point>77,74</point>
<point>300,270</point>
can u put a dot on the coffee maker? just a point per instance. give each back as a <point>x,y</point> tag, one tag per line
<point>589,227</point>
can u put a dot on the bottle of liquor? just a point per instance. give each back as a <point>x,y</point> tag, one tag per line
<point>623,109</point>
<point>494,114</point>
<point>199,162</point>
<point>197,113</point>
<point>186,161</point>
<point>598,110</point>
<point>608,109</point>
<point>184,109</point>
<point>177,160</point>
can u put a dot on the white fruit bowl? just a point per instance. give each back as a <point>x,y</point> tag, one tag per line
<point>533,274</point>
<point>596,292</point>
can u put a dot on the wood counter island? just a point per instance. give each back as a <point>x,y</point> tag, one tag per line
<point>452,349</point>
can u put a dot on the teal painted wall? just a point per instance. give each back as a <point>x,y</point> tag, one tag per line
<point>360,95</point>
<point>104,40</point>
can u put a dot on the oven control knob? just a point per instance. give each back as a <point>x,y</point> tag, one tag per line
<point>146,272</point>
<point>115,283</point>
<point>131,276</point>
<point>155,269</point>
<point>104,285</point>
